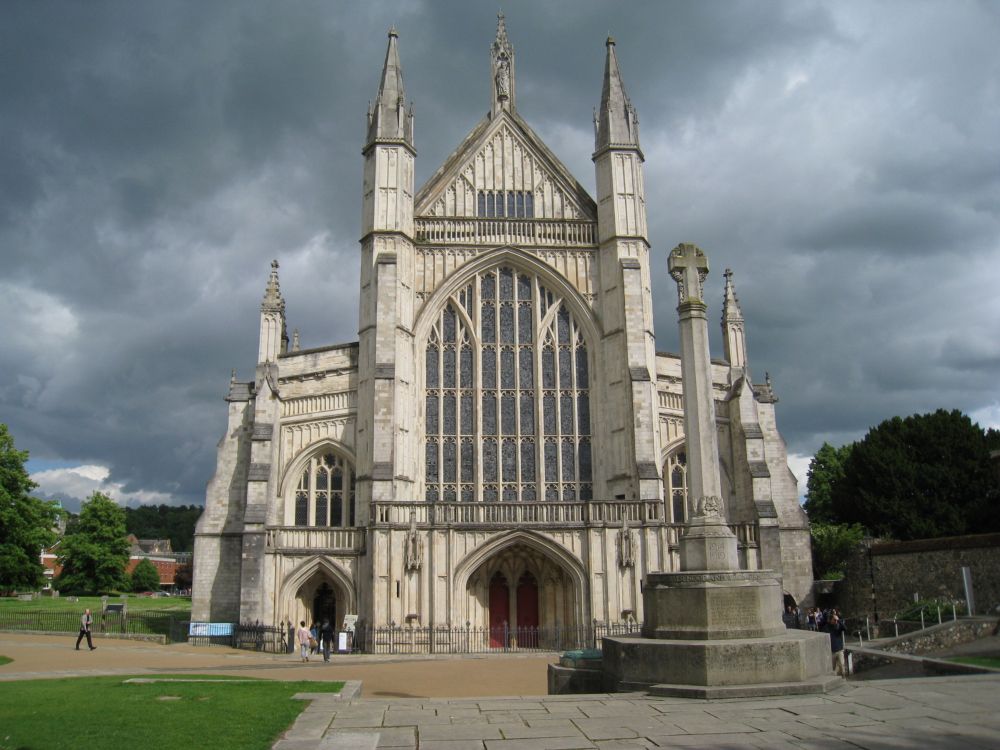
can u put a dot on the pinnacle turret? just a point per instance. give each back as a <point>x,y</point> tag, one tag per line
<point>502,66</point>
<point>616,123</point>
<point>730,305</point>
<point>273,336</point>
<point>389,119</point>
<point>733,326</point>
<point>273,301</point>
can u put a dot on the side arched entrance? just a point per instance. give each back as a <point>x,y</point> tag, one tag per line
<point>317,590</point>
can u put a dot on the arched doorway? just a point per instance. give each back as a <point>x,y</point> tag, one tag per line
<point>316,588</point>
<point>521,597</point>
<point>325,604</point>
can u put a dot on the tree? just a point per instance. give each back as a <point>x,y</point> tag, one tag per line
<point>924,476</point>
<point>183,576</point>
<point>825,470</point>
<point>145,577</point>
<point>26,523</point>
<point>831,544</point>
<point>173,522</point>
<point>95,554</point>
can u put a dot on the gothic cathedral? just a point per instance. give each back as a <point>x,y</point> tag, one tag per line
<point>503,444</point>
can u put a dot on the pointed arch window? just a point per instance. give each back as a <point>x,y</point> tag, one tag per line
<point>675,479</point>
<point>324,495</point>
<point>507,396</point>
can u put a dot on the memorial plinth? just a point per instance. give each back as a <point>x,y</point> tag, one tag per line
<point>714,633</point>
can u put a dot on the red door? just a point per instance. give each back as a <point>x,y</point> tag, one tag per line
<point>527,611</point>
<point>499,610</point>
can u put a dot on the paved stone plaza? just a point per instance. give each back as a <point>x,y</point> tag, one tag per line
<point>939,712</point>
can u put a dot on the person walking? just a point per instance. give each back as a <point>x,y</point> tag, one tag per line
<point>835,627</point>
<point>326,634</point>
<point>314,638</point>
<point>85,622</point>
<point>303,636</point>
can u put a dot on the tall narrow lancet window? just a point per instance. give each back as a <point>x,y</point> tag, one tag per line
<point>324,495</point>
<point>507,396</point>
<point>675,477</point>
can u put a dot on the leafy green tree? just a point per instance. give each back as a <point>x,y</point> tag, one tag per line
<point>95,554</point>
<point>145,577</point>
<point>825,470</point>
<point>183,576</point>
<point>831,545</point>
<point>924,476</point>
<point>26,523</point>
<point>173,522</point>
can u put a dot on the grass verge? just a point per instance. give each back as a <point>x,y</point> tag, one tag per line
<point>978,661</point>
<point>106,712</point>
<point>63,604</point>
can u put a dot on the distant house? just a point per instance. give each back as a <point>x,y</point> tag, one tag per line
<point>157,551</point>
<point>50,562</point>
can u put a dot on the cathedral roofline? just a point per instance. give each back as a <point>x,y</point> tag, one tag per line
<point>318,349</point>
<point>674,355</point>
<point>479,134</point>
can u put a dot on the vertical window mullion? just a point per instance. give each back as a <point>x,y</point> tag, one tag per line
<point>311,509</point>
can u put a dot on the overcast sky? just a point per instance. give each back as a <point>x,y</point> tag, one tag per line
<point>843,158</point>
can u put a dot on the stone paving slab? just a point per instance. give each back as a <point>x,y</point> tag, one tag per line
<point>895,714</point>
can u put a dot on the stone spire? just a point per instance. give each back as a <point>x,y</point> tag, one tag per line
<point>389,119</point>
<point>733,327</point>
<point>273,334</point>
<point>273,301</point>
<point>502,68</point>
<point>616,123</point>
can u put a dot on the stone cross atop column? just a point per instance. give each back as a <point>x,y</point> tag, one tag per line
<point>689,268</point>
<point>708,543</point>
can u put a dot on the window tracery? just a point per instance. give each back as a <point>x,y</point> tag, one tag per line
<point>515,363</point>
<point>511,204</point>
<point>324,495</point>
<point>675,479</point>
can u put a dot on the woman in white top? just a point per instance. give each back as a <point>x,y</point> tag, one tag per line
<point>303,636</point>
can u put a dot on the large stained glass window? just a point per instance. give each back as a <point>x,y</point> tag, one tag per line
<point>507,396</point>
<point>324,495</point>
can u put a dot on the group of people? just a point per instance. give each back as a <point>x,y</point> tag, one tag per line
<point>317,638</point>
<point>824,621</point>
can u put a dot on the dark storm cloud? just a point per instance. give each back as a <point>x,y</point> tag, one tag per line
<point>840,157</point>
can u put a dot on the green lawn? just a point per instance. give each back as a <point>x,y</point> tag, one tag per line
<point>106,712</point>
<point>179,604</point>
<point>979,661</point>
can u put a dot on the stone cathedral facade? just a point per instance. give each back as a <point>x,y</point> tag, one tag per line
<point>503,444</point>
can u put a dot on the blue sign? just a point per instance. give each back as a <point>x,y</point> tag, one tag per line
<point>208,629</point>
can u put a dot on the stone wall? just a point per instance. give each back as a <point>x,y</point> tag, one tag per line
<point>930,568</point>
<point>939,637</point>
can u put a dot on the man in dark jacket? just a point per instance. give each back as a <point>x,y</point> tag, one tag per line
<point>835,627</point>
<point>326,634</point>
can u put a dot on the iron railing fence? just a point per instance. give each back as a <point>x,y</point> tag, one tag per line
<point>256,636</point>
<point>395,639</point>
<point>173,626</point>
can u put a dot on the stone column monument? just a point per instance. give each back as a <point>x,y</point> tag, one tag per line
<point>711,630</point>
